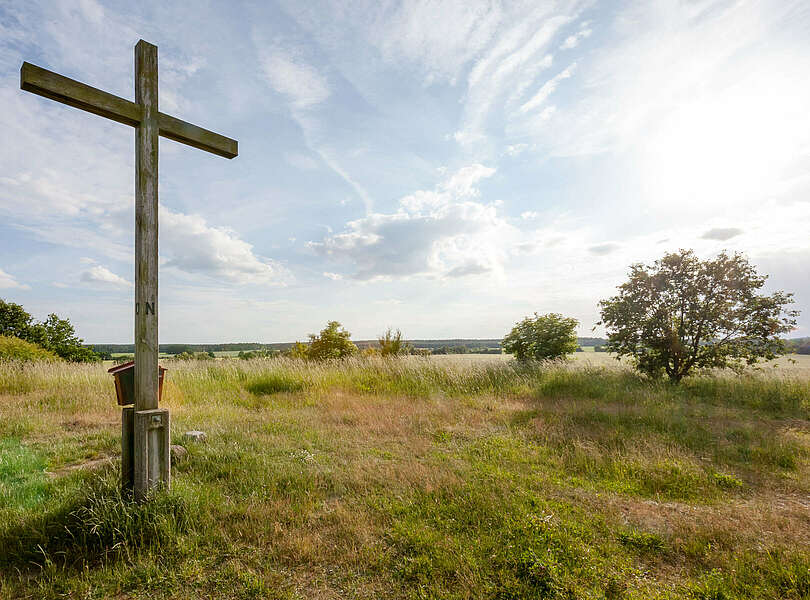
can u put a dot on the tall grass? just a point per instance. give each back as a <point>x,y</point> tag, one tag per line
<point>415,377</point>
<point>411,478</point>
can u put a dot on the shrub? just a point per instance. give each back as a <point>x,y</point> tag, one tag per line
<point>195,355</point>
<point>392,344</point>
<point>12,348</point>
<point>543,337</point>
<point>333,342</point>
<point>298,350</point>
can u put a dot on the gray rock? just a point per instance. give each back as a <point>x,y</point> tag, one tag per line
<point>179,454</point>
<point>195,436</point>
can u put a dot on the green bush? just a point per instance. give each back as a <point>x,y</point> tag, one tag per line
<point>333,342</point>
<point>12,348</point>
<point>544,337</point>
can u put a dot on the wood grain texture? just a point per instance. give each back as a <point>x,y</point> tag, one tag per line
<point>68,91</point>
<point>51,85</point>
<point>146,228</point>
<point>151,451</point>
<point>191,135</point>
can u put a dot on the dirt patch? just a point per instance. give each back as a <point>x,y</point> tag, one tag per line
<point>96,463</point>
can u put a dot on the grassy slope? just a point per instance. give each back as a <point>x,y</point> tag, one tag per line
<point>412,479</point>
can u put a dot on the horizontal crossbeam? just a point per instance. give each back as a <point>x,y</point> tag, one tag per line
<point>191,135</point>
<point>79,95</point>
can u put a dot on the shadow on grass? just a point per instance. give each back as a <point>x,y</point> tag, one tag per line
<point>94,524</point>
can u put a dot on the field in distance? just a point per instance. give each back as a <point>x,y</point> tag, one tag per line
<point>448,477</point>
<point>789,365</point>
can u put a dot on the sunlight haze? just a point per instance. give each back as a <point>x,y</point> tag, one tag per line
<point>444,168</point>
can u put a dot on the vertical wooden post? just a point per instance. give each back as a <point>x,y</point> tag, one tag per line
<point>146,228</point>
<point>145,429</point>
<point>146,473</point>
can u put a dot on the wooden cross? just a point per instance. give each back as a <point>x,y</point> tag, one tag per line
<point>149,123</point>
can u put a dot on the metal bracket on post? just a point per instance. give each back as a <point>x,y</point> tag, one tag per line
<point>151,451</point>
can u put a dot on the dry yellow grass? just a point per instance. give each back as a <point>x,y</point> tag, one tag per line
<point>459,477</point>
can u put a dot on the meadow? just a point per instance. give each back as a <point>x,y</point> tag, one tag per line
<point>444,477</point>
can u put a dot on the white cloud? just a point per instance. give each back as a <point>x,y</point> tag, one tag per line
<point>501,75</point>
<point>439,232</point>
<point>529,215</point>
<point>572,41</point>
<point>438,37</point>
<point>547,89</point>
<point>189,244</point>
<point>294,78</point>
<point>101,275</point>
<point>8,282</point>
<point>516,149</point>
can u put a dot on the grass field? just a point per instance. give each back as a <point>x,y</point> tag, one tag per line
<point>448,477</point>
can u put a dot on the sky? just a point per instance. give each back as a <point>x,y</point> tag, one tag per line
<point>442,167</point>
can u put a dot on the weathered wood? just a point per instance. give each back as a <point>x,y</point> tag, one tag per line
<point>186,133</point>
<point>68,91</point>
<point>152,450</point>
<point>145,428</point>
<point>146,228</point>
<point>73,93</point>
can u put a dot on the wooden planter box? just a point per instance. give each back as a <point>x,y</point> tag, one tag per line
<point>124,376</point>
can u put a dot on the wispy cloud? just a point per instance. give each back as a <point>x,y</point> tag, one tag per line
<point>295,79</point>
<point>547,89</point>
<point>603,249</point>
<point>721,233</point>
<point>8,282</point>
<point>572,41</point>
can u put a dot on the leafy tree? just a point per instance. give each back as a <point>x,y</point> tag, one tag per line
<point>14,320</point>
<point>59,336</point>
<point>682,314</point>
<point>54,334</point>
<point>392,344</point>
<point>332,342</point>
<point>543,337</point>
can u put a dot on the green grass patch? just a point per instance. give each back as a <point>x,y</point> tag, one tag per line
<point>23,483</point>
<point>412,478</point>
<point>274,383</point>
<point>93,522</point>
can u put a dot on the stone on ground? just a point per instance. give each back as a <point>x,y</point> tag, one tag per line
<point>179,454</point>
<point>195,436</point>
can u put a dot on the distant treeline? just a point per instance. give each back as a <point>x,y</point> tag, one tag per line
<point>451,346</point>
<point>799,345</point>
<point>180,348</point>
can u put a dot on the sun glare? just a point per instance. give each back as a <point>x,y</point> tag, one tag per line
<point>724,149</point>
